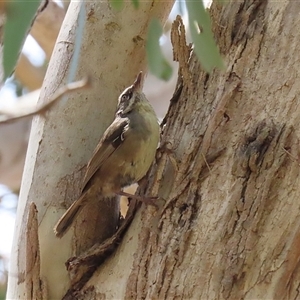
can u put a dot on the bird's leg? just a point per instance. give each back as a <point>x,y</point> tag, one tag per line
<point>146,200</point>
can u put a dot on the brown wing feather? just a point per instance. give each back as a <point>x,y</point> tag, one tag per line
<point>111,140</point>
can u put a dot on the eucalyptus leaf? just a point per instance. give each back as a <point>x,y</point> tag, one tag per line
<point>202,36</point>
<point>20,14</point>
<point>157,63</point>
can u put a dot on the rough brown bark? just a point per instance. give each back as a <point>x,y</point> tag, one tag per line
<point>230,226</point>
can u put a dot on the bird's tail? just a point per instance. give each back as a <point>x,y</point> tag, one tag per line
<point>67,219</point>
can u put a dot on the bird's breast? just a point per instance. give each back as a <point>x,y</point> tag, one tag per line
<point>132,159</point>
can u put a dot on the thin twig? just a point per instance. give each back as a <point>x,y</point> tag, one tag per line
<point>6,117</point>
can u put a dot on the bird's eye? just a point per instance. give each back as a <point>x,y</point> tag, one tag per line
<point>126,96</point>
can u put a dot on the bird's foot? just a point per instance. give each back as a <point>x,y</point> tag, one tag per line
<point>146,200</point>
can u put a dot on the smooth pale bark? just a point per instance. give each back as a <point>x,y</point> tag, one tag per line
<point>112,53</point>
<point>230,226</point>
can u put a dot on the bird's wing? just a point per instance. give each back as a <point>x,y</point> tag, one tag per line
<point>111,140</point>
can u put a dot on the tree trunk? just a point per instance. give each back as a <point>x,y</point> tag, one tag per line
<point>229,228</point>
<point>229,225</point>
<point>112,53</point>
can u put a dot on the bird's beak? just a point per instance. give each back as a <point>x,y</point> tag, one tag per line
<point>138,83</point>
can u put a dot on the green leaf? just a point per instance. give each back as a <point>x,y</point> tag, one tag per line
<point>158,65</point>
<point>204,43</point>
<point>136,3</point>
<point>20,14</point>
<point>117,4</point>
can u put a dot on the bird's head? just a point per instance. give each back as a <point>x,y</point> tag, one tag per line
<point>131,96</point>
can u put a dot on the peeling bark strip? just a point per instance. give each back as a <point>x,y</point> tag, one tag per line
<point>230,228</point>
<point>181,52</point>
<point>35,288</point>
<point>83,267</point>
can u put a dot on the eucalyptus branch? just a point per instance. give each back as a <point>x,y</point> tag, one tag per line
<point>8,117</point>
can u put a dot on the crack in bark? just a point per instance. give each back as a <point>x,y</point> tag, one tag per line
<point>263,144</point>
<point>246,17</point>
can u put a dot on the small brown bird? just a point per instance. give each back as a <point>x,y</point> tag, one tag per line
<point>123,155</point>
